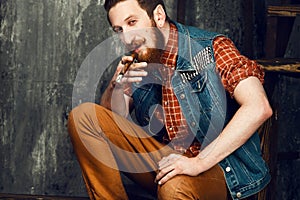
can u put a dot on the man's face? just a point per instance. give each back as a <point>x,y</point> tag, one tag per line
<point>137,31</point>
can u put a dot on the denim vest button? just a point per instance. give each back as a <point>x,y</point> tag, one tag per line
<point>228,169</point>
<point>193,124</point>
<point>182,96</point>
<point>238,195</point>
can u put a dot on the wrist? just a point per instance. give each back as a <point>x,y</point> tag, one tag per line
<point>116,85</point>
<point>201,163</point>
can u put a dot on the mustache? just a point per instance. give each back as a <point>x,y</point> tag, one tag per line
<point>149,55</point>
<point>135,44</point>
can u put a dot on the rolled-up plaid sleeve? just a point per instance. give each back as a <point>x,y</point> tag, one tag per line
<point>232,66</point>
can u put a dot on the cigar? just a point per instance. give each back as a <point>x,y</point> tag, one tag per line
<point>126,66</point>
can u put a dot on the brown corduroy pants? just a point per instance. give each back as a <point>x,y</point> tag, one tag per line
<point>106,143</point>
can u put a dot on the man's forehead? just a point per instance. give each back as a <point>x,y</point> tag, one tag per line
<point>124,10</point>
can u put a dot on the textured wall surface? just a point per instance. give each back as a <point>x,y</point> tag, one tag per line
<point>43,45</point>
<point>283,90</point>
<point>239,20</point>
<point>288,179</point>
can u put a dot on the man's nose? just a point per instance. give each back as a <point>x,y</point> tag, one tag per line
<point>127,37</point>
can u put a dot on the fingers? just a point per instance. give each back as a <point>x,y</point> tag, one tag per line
<point>133,76</point>
<point>134,73</point>
<point>138,66</point>
<point>133,65</point>
<point>167,168</point>
<point>166,161</point>
<point>165,174</point>
<point>126,59</point>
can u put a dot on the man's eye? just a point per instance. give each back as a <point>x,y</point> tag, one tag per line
<point>132,22</point>
<point>117,29</point>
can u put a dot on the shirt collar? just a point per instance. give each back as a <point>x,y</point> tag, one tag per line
<point>169,55</point>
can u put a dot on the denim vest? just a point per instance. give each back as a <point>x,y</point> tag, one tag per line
<point>206,107</point>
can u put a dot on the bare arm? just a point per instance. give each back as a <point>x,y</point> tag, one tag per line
<point>254,110</point>
<point>113,97</point>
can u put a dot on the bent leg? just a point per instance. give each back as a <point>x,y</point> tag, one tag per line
<point>103,181</point>
<point>206,186</point>
<point>106,143</point>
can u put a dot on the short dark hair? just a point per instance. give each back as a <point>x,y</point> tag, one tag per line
<point>147,5</point>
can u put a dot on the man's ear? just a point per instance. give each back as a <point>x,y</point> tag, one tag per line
<point>159,16</point>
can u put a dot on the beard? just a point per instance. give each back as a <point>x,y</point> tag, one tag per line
<point>149,54</point>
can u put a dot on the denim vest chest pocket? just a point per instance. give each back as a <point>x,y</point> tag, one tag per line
<point>199,87</point>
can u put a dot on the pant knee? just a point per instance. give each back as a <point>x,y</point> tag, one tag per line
<point>170,189</point>
<point>83,118</point>
<point>82,110</point>
<point>187,187</point>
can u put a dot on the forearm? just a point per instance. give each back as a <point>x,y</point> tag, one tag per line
<point>254,110</point>
<point>242,126</point>
<point>113,99</point>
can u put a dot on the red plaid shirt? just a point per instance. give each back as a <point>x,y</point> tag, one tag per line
<point>176,125</point>
<point>230,64</point>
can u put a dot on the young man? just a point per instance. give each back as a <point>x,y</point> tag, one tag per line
<point>187,139</point>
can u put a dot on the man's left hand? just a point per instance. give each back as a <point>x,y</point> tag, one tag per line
<point>175,164</point>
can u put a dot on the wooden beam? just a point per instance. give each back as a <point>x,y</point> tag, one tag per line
<point>248,22</point>
<point>284,11</point>
<point>271,37</point>
<point>181,11</point>
<point>281,65</point>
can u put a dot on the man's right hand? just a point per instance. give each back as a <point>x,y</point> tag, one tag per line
<point>135,72</point>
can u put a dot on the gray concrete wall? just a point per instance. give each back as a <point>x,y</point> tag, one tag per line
<point>42,46</point>
<point>43,43</point>
<point>242,21</point>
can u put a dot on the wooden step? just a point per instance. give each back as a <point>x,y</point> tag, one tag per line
<point>38,197</point>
